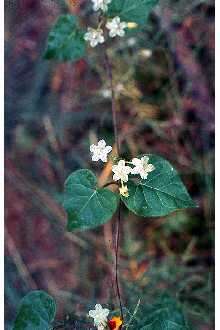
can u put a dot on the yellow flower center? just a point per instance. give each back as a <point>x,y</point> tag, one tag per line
<point>123,190</point>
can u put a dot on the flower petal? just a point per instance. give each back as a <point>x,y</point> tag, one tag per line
<point>108,149</point>
<point>98,307</point>
<point>117,19</point>
<point>121,163</point>
<point>92,313</point>
<point>103,158</point>
<point>92,148</point>
<point>150,167</point>
<point>102,143</point>
<point>128,169</point>
<point>143,175</point>
<point>136,161</point>
<point>145,159</point>
<point>95,158</point>
<point>121,33</point>
<point>116,177</point>
<point>134,171</point>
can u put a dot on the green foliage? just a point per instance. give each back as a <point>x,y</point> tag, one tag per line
<point>37,311</point>
<point>65,41</point>
<point>192,286</point>
<point>132,11</point>
<point>86,205</point>
<point>160,194</point>
<point>164,314</point>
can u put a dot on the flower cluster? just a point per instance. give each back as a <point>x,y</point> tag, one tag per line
<point>101,321</point>
<point>114,25</point>
<point>123,168</point>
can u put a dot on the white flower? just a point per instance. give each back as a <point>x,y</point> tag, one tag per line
<point>101,4</point>
<point>119,88</point>
<point>100,151</point>
<point>99,315</point>
<point>131,41</point>
<point>121,171</point>
<point>116,27</point>
<point>94,36</point>
<point>142,167</point>
<point>106,93</point>
<point>147,53</point>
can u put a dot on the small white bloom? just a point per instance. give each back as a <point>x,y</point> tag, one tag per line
<point>147,53</point>
<point>121,171</point>
<point>131,41</point>
<point>94,36</point>
<point>119,88</point>
<point>106,93</point>
<point>142,167</point>
<point>99,315</point>
<point>116,27</point>
<point>101,4</point>
<point>100,151</point>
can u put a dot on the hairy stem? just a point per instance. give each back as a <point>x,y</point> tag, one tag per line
<point>118,225</point>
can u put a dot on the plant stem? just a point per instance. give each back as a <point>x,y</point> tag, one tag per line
<point>117,259</point>
<point>109,184</point>
<point>118,224</point>
<point>114,109</point>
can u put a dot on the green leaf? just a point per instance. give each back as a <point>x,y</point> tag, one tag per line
<point>131,11</point>
<point>65,41</point>
<point>165,314</point>
<point>160,194</point>
<point>86,205</point>
<point>36,312</point>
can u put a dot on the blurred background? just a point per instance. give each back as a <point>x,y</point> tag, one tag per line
<point>164,78</point>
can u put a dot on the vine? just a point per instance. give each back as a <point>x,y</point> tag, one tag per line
<point>147,185</point>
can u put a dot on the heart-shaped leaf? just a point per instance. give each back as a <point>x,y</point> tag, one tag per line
<point>160,194</point>
<point>131,11</point>
<point>65,41</point>
<point>164,314</point>
<point>37,311</point>
<point>86,205</point>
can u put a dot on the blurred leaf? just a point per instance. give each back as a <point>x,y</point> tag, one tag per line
<point>86,205</point>
<point>160,194</point>
<point>65,41</point>
<point>37,311</point>
<point>165,314</point>
<point>132,11</point>
<point>176,222</point>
